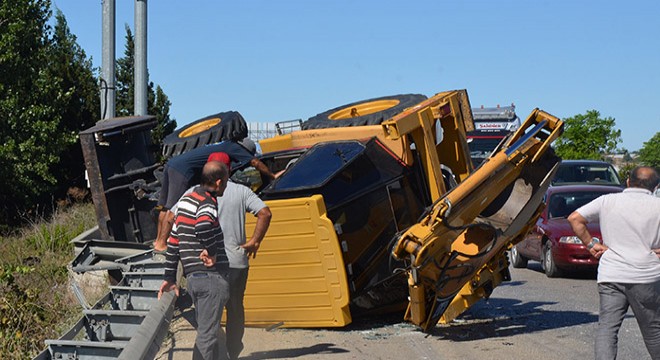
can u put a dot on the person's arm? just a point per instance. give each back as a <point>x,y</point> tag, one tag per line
<point>171,263</point>
<point>206,221</point>
<point>263,222</point>
<point>166,221</point>
<point>206,259</point>
<point>262,168</point>
<point>167,286</point>
<point>579,225</point>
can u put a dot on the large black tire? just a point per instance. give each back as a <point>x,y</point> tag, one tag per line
<point>517,260</point>
<point>366,112</point>
<point>228,125</point>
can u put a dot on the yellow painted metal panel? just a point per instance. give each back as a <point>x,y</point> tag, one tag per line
<point>314,300</point>
<point>302,317</point>
<point>293,212</point>
<point>293,227</point>
<point>287,271</point>
<point>307,138</point>
<point>289,255</point>
<point>302,241</point>
<point>298,277</point>
<point>273,286</point>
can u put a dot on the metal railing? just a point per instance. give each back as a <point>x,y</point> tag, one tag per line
<point>128,322</point>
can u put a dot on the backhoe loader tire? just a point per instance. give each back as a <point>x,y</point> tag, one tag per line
<point>228,125</point>
<point>366,112</point>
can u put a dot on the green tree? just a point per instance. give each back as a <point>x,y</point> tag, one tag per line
<point>81,108</point>
<point>31,137</point>
<point>47,95</point>
<point>649,154</point>
<point>125,90</point>
<point>158,104</point>
<point>624,171</point>
<point>588,136</point>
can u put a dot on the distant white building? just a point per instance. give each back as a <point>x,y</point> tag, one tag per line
<point>620,160</point>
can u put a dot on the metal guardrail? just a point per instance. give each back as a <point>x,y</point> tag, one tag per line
<point>129,322</point>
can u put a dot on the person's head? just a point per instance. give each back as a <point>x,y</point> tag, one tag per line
<point>249,145</point>
<point>644,177</point>
<point>220,157</point>
<point>214,177</point>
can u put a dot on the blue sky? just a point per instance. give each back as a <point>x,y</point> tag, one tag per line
<point>275,60</point>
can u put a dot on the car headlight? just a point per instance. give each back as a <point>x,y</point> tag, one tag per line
<point>570,240</point>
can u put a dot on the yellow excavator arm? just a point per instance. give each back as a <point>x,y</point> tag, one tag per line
<point>457,252</point>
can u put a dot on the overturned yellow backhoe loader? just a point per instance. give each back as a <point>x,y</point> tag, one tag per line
<point>377,209</point>
<point>366,217</point>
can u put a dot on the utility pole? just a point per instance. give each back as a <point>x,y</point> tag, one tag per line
<point>140,70</point>
<point>108,60</point>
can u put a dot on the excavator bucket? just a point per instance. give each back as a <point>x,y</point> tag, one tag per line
<point>457,251</point>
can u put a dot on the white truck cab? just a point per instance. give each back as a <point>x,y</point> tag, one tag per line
<point>495,118</point>
<point>491,126</point>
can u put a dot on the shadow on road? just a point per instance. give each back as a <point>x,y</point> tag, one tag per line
<point>295,352</point>
<point>506,317</point>
<point>575,274</point>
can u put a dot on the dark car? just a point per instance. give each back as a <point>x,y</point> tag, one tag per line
<point>586,172</point>
<point>552,241</point>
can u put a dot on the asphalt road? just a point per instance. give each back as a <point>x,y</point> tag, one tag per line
<point>530,317</point>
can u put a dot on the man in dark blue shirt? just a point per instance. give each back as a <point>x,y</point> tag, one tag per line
<point>181,172</point>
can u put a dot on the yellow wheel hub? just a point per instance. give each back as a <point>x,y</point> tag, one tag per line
<point>199,127</point>
<point>363,109</point>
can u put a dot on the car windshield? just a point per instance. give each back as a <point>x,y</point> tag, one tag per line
<point>586,173</point>
<point>563,204</point>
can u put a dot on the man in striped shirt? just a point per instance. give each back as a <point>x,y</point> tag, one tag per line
<point>197,241</point>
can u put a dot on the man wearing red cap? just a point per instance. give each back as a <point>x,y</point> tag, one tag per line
<point>220,157</point>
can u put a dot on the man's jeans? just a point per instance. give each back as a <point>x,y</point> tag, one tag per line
<point>615,298</point>
<point>236,312</point>
<point>209,292</point>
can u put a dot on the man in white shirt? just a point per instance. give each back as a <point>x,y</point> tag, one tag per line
<point>236,201</point>
<point>629,266</point>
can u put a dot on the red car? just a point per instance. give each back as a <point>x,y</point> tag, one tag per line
<point>552,241</point>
